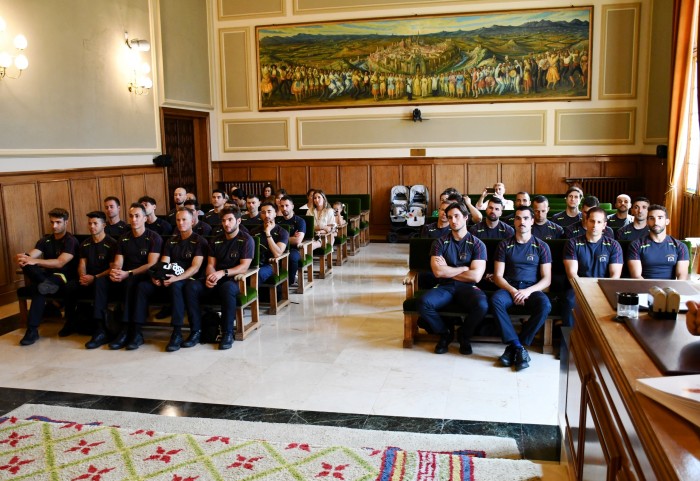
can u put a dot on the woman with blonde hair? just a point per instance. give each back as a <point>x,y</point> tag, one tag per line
<point>324,217</point>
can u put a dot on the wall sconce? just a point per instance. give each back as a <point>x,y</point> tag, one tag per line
<point>140,83</point>
<point>8,60</point>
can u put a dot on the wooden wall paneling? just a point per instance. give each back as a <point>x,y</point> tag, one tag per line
<point>232,174</point>
<point>111,185</point>
<point>134,187</point>
<point>383,178</point>
<point>549,178</point>
<point>517,177</point>
<point>354,179</point>
<point>22,224</point>
<point>156,187</point>
<point>480,176</point>
<point>325,178</point>
<point>86,198</point>
<point>417,174</point>
<point>586,169</point>
<point>447,175</point>
<point>6,257</point>
<point>294,179</point>
<point>55,194</point>
<point>621,168</point>
<point>265,172</point>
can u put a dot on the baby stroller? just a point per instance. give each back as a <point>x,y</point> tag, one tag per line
<point>417,205</point>
<point>407,212</point>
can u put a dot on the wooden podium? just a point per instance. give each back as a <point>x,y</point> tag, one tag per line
<point>612,432</point>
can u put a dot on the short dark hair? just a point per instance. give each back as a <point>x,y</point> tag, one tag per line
<point>281,191</point>
<point>590,201</point>
<point>59,213</point>
<point>495,200</point>
<point>641,199</point>
<point>286,197</point>
<point>269,204</point>
<point>185,209</point>
<point>97,214</point>
<point>137,205</point>
<point>148,199</point>
<point>573,189</point>
<point>458,205</point>
<point>115,199</point>
<point>595,209</point>
<point>527,208</point>
<point>233,209</point>
<point>192,202</point>
<point>253,196</point>
<point>539,199</point>
<point>219,191</point>
<point>449,191</point>
<point>455,197</point>
<point>658,207</point>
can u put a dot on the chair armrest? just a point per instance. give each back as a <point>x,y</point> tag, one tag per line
<point>305,247</point>
<point>280,263</point>
<point>410,281</point>
<point>241,278</point>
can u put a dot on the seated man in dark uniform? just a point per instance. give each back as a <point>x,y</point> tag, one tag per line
<point>491,226</point>
<point>96,256</point>
<point>521,198</point>
<point>187,250</point>
<point>116,227</point>
<point>51,267</point>
<point>458,260</point>
<point>579,228</point>
<point>571,215</point>
<point>657,255</point>
<point>544,228</point>
<point>179,198</point>
<point>297,231</point>
<point>153,222</point>
<point>218,200</point>
<point>198,226</point>
<point>230,254</point>
<point>137,251</point>
<point>273,240</point>
<point>638,228</point>
<point>522,270</point>
<point>594,254</point>
<point>435,230</point>
<point>621,217</point>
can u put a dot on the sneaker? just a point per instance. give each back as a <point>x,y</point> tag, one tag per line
<point>47,288</point>
<point>521,359</point>
<point>508,356</point>
<point>30,337</point>
<point>443,343</point>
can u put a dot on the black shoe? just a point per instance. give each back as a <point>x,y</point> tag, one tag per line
<point>67,329</point>
<point>465,346</point>
<point>135,341</point>
<point>99,339</point>
<point>443,343</point>
<point>47,288</point>
<point>521,359</point>
<point>30,337</point>
<point>120,340</point>
<point>165,312</point>
<point>507,358</point>
<point>193,339</point>
<point>423,324</point>
<point>175,342</point>
<point>226,341</point>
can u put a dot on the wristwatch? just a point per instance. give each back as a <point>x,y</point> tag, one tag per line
<point>225,272</point>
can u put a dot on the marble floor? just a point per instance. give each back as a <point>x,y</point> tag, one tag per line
<point>336,350</point>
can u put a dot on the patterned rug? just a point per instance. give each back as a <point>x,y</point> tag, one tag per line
<point>39,447</point>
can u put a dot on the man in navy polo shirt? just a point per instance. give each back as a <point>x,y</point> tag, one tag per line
<point>638,227</point>
<point>435,230</point>
<point>273,240</point>
<point>297,231</point>
<point>621,217</point>
<point>579,228</point>
<point>522,269</point>
<point>543,228</point>
<point>657,255</point>
<point>590,255</point>
<point>521,198</point>
<point>137,251</point>
<point>458,260</point>
<point>571,215</point>
<point>230,254</point>
<point>187,250</point>
<point>491,226</point>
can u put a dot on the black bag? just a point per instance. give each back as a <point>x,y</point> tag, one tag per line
<point>211,327</point>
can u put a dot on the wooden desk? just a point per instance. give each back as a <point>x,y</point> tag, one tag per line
<point>611,432</point>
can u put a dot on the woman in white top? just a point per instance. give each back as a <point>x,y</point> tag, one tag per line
<point>324,216</point>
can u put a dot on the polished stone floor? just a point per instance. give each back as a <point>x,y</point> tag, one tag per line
<point>334,357</point>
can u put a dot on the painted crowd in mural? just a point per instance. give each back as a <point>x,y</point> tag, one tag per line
<point>541,55</point>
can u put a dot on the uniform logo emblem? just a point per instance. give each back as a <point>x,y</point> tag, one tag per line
<point>670,258</point>
<point>531,258</point>
<point>602,258</point>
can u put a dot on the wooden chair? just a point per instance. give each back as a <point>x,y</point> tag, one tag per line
<point>341,245</point>
<point>279,278</point>
<point>323,254</point>
<point>248,297</point>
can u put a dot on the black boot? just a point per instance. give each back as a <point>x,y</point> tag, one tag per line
<point>120,341</point>
<point>193,339</point>
<point>30,337</point>
<point>135,340</point>
<point>443,343</point>
<point>175,341</point>
<point>226,341</point>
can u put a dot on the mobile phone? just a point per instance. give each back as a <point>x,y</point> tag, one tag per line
<point>490,190</point>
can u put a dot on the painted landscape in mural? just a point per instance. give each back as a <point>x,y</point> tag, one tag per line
<point>488,57</point>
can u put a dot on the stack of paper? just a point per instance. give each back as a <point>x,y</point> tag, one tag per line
<point>680,394</point>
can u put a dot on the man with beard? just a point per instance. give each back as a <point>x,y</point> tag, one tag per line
<point>571,215</point>
<point>153,222</point>
<point>657,255</point>
<point>522,270</point>
<point>115,227</point>
<point>230,254</point>
<point>297,231</point>
<point>521,198</point>
<point>179,198</point>
<point>491,227</point>
<point>458,260</point>
<point>638,227</point>
<point>621,217</point>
